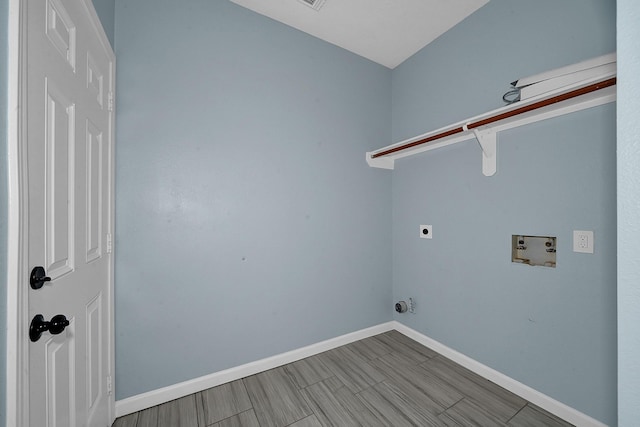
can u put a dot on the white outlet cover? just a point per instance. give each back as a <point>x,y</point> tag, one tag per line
<point>426,231</point>
<point>583,241</point>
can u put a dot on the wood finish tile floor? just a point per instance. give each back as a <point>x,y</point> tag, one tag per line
<point>387,380</point>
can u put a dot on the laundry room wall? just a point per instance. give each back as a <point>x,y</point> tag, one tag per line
<point>552,329</point>
<point>248,223</point>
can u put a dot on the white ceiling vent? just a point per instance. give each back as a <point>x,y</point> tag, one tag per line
<point>313,4</point>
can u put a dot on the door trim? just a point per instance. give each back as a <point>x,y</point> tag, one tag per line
<point>17,392</point>
<point>17,344</point>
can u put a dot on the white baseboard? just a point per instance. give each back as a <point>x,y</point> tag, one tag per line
<point>547,403</point>
<point>166,394</point>
<point>156,397</point>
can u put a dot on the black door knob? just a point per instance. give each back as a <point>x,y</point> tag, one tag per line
<point>38,277</point>
<point>38,325</point>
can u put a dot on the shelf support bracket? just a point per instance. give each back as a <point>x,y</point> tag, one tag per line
<point>488,142</point>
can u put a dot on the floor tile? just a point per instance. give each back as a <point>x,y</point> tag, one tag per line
<point>411,343</point>
<point>481,381</point>
<point>334,383</point>
<point>148,417</point>
<point>422,385</point>
<point>406,346</point>
<point>225,401</point>
<point>357,408</point>
<point>308,371</point>
<point>328,408</point>
<point>179,413</point>
<point>243,419</point>
<point>351,369</point>
<point>496,400</point>
<point>467,413</point>
<point>369,348</point>
<point>533,416</point>
<point>276,400</point>
<point>394,408</point>
<point>310,421</point>
<point>200,410</point>
<point>448,421</point>
<point>127,421</point>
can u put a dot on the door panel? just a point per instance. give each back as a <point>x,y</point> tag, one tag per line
<point>95,193</point>
<point>94,364</point>
<point>61,31</point>
<point>60,382</point>
<point>59,196</point>
<point>95,80</point>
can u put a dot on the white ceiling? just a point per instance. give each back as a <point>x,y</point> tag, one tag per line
<point>384,31</point>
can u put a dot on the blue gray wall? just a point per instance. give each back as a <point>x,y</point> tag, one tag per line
<point>4,20</point>
<point>628,212</point>
<point>550,328</point>
<point>106,10</point>
<point>248,222</point>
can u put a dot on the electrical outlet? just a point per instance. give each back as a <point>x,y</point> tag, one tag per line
<point>426,231</point>
<point>583,241</point>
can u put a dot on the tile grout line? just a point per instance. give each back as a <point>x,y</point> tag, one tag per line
<point>230,416</point>
<point>451,406</point>
<point>516,414</point>
<point>204,415</point>
<point>253,405</point>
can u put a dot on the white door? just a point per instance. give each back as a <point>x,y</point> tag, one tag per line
<point>70,183</point>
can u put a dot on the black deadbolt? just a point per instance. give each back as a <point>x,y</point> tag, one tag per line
<point>38,277</point>
<point>39,325</point>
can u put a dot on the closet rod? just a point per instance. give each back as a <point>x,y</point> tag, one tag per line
<point>536,105</point>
